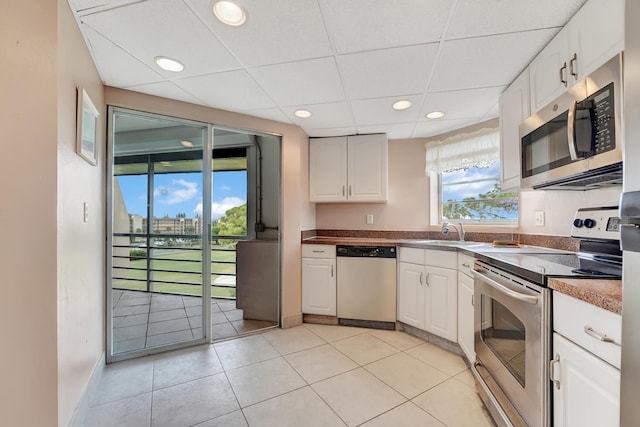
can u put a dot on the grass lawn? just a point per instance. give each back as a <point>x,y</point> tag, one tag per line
<point>185,266</point>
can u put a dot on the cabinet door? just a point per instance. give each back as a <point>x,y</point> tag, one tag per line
<point>367,171</point>
<point>411,294</point>
<point>589,393</point>
<point>328,169</point>
<point>596,34</point>
<point>465,316</point>
<point>441,302</point>
<point>514,109</point>
<point>547,71</point>
<point>319,286</point>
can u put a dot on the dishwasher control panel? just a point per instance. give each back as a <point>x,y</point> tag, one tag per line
<point>366,251</point>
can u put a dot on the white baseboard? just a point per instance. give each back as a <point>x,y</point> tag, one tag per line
<point>80,414</point>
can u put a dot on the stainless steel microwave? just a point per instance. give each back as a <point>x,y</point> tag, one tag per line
<point>575,142</point>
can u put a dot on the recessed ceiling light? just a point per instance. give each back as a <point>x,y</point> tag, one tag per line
<point>186,143</point>
<point>401,105</point>
<point>435,115</point>
<point>169,64</point>
<point>303,114</point>
<point>229,13</point>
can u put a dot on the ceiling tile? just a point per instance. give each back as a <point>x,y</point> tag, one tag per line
<point>335,114</point>
<point>166,90</point>
<point>436,127</point>
<point>276,31</point>
<point>393,131</point>
<point>486,61</point>
<point>375,111</point>
<point>232,90</point>
<point>314,81</point>
<point>480,18</point>
<point>377,24</point>
<point>164,28</point>
<point>342,131</point>
<point>113,60</point>
<point>275,114</point>
<point>462,104</point>
<point>388,72</point>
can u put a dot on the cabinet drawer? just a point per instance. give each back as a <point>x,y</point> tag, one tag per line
<point>465,264</point>
<point>318,251</point>
<point>442,259</point>
<point>411,255</point>
<point>570,318</point>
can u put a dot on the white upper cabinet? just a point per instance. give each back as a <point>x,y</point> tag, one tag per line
<point>348,169</point>
<point>514,109</point>
<point>593,36</point>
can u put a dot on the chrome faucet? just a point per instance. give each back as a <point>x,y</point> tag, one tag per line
<point>447,224</point>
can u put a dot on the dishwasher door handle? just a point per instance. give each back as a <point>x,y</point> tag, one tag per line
<point>530,299</point>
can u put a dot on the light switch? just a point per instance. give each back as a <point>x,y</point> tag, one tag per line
<point>369,218</point>
<point>540,219</point>
<point>86,211</point>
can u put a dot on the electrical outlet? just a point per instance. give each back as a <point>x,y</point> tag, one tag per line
<point>86,211</point>
<point>540,219</point>
<point>369,219</point>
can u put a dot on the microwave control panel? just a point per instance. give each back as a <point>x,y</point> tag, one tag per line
<point>598,112</point>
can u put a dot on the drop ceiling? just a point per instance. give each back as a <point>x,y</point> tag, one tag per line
<point>346,61</point>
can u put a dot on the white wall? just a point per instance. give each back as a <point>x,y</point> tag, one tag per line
<point>28,143</point>
<point>81,245</point>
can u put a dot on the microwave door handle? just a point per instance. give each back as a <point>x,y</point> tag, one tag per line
<point>531,299</point>
<point>571,131</point>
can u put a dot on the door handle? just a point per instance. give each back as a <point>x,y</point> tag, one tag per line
<point>572,66</point>
<point>563,72</point>
<point>554,371</point>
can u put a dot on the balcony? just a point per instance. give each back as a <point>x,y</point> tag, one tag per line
<point>157,291</point>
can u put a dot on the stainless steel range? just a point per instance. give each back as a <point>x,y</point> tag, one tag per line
<point>513,321</point>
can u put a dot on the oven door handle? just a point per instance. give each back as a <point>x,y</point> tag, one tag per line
<point>531,299</point>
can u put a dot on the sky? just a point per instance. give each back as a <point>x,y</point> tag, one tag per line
<point>182,192</point>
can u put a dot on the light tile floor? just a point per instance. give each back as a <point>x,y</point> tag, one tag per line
<point>311,375</point>
<point>143,320</point>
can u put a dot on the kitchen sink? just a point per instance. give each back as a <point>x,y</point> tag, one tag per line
<point>456,243</point>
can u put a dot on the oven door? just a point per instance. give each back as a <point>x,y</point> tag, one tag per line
<point>511,344</point>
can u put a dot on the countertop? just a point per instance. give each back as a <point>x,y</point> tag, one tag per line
<point>603,293</point>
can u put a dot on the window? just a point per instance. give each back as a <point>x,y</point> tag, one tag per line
<point>464,173</point>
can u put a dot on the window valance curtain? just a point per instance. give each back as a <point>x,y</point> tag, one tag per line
<point>475,149</point>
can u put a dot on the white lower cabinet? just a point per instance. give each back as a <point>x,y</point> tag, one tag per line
<point>589,388</point>
<point>319,279</point>
<point>427,294</point>
<point>585,368</point>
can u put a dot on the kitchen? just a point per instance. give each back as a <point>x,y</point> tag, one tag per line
<point>397,214</point>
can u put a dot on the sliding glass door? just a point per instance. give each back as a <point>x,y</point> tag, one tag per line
<point>184,198</point>
<point>160,257</point>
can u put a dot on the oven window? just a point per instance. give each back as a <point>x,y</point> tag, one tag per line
<point>505,335</point>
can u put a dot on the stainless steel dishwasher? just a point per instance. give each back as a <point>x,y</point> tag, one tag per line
<point>366,277</point>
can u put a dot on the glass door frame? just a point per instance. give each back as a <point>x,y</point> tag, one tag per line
<point>207,155</point>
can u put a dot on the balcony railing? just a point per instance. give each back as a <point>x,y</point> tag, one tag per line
<point>172,264</point>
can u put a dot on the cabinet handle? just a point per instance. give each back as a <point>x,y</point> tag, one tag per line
<point>426,279</point>
<point>343,190</point>
<point>572,66</point>
<point>599,336</point>
<point>317,252</point>
<point>554,371</point>
<point>420,280</point>
<point>473,300</point>
<point>563,70</point>
<point>349,190</point>
<point>332,271</point>
<point>465,265</point>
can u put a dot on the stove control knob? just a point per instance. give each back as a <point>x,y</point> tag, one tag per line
<point>589,223</point>
<point>577,223</point>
